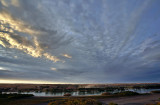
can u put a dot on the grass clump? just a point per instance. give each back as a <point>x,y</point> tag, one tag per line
<point>67,94</point>
<point>155,91</point>
<point>158,103</point>
<point>15,96</point>
<point>111,103</point>
<point>76,101</point>
<point>105,94</point>
<point>126,93</point>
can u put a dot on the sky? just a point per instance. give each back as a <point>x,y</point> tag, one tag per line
<point>79,41</point>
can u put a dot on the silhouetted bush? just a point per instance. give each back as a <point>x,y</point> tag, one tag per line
<point>15,96</point>
<point>111,103</point>
<point>155,91</point>
<point>76,101</point>
<point>67,94</point>
<point>106,93</point>
<point>158,103</point>
<point>127,93</point>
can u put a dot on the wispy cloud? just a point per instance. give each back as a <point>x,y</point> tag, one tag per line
<point>66,55</point>
<point>53,68</point>
<point>36,51</point>
<point>102,39</point>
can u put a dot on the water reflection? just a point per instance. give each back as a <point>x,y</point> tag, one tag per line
<point>81,93</point>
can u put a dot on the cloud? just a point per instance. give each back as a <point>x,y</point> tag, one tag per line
<point>35,52</point>
<point>8,3</point>
<point>2,69</point>
<point>66,55</point>
<point>12,40</point>
<point>106,41</point>
<point>17,24</point>
<point>23,35</point>
<point>54,69</point>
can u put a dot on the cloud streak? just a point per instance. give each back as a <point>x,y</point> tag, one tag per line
<point>66,55</point>
<point>101,41</point>
<point>36,51</point>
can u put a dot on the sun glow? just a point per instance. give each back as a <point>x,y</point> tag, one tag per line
<point>2,69</point>
<point>7,81</point>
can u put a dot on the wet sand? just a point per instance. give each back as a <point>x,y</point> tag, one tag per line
<point>133,100</point>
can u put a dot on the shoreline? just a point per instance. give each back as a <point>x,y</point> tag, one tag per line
<point>134,100</point>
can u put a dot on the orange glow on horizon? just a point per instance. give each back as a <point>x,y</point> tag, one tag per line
<point>7,81</point>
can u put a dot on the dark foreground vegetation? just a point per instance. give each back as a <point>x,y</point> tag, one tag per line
<point>157,103</point>
<point>14,96</point>
<point>92,100</point>
<point>76,101</point>
<point>5,99</point>
<point>107,90</point>
<point>126,93</point>
<point>27,99</point>
<point>21,99</point>
<point>156,91</point>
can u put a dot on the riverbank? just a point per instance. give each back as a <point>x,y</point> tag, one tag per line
<point>146,99</point>
<point>120,100</point>
<point>133,100</point>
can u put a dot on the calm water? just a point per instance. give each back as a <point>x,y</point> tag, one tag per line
<point>80,93</point>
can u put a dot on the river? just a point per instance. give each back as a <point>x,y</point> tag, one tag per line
<point>78,93</point>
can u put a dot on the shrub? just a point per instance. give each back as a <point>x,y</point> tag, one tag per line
<point>111,103</point>
<point>15,96</point>
<point>76,101</point>
<point>106,93</point>
<point>127,93</point>
<point>67,94</point>
<point>156,91</point>
<point>158,103</point>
